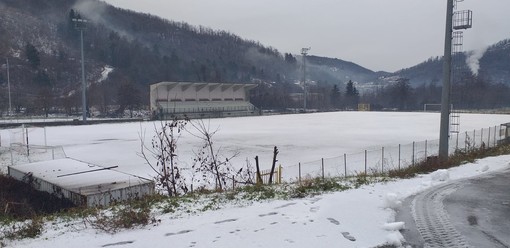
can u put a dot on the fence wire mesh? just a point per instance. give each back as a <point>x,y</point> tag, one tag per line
<point>382,160</point>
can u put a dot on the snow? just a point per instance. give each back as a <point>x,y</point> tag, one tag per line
<point>392,201</point>
<point>362,217</point>
<point>104,74</point>
<point>440,175</point>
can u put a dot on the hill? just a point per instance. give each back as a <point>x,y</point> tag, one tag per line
<point>125,49</point>
<point>493,64</point>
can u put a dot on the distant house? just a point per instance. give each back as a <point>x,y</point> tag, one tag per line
<point>200,100</point>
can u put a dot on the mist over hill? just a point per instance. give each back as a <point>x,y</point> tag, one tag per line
<point>126,51</point>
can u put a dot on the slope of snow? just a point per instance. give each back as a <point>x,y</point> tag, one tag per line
<point>352,218</point>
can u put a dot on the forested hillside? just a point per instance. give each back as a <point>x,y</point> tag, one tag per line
<point>126,51</point>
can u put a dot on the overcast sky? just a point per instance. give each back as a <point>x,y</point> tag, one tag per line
<point>378,34</point>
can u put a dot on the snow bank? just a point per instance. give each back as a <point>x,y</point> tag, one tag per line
<point>440,175</point>
<point>395,238</point>
<point>392,201</point>
<point>394,226</point>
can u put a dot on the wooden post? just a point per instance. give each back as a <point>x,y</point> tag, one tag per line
<point>259,177</point>
<point>275,153</point>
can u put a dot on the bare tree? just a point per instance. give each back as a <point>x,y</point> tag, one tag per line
<point>163,149</point>
<point>211,160</point>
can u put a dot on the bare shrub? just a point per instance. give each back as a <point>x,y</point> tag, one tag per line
<point>163,149</point>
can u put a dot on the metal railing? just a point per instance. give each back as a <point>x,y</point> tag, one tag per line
<point>384,159</point>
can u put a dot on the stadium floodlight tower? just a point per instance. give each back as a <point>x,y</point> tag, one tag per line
<point>9,87</point>
<point>454,21</point>
<point>304,52</point>
<point>80,25</point>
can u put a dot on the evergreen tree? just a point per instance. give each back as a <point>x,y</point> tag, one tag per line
<point>32,55</point>
<point>335,96</point>
<point>351,95</point>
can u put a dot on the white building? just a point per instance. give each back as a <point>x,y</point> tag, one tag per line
<point>200,100</point>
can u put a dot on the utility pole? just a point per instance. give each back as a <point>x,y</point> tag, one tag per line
<point>454,21</point>
<point>445,96</point>
<point>9,86</point>
<point>80,26</point>
<point>304,52</point>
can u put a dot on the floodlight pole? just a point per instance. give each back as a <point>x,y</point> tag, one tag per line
<point>9,86</point>
<point>80,26</point>
<point>445,98</point>
<point>304,52</point>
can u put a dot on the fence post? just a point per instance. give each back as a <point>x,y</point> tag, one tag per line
<point>457,143</point>
<point>322,167</point>
<point>398,156</point>
<point>365,162</point>
<point>345,164</point>
<point>53,153</point>
<point>481,138</point>
<point>299,176</point>
<point>233,183</point>
<point>279,178</point>
<point>474,138</point>
<point>382,160</point>
<point>413,154</point>
<point>489,138</point>
<point>465,141</point>
<point>495,137</point>
<point>425,150</point>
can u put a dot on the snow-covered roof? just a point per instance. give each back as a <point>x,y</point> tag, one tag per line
<point>80,177</point>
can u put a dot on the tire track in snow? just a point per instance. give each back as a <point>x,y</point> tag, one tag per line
<point>432,220</point>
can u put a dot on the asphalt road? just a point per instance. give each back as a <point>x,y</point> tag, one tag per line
<point>467,213</point>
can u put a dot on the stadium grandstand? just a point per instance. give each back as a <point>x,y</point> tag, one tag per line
<point>200,100</point>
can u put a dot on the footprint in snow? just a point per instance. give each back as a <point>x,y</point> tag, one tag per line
<point>119,243</point>
<point>336,222</point>
<point>314,209</point>
<point>225,221</point>
<point>348,236</point>
<point>268,214</point>
<point>285,205</point>
<point>177,233</point>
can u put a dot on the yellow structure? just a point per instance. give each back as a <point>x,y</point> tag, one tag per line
<point>364,107</point>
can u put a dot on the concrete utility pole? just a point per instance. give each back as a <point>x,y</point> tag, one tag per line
<point>304,52</point>
<point>454,21</point>
<point>445,97</point>
<point>9,86</point>
<point>80,26</point>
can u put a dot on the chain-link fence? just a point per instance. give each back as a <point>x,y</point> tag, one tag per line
<point>384,159</point>
<point>23,154</point>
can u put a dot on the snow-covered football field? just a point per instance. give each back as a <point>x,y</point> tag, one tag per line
<point>352,218</point>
